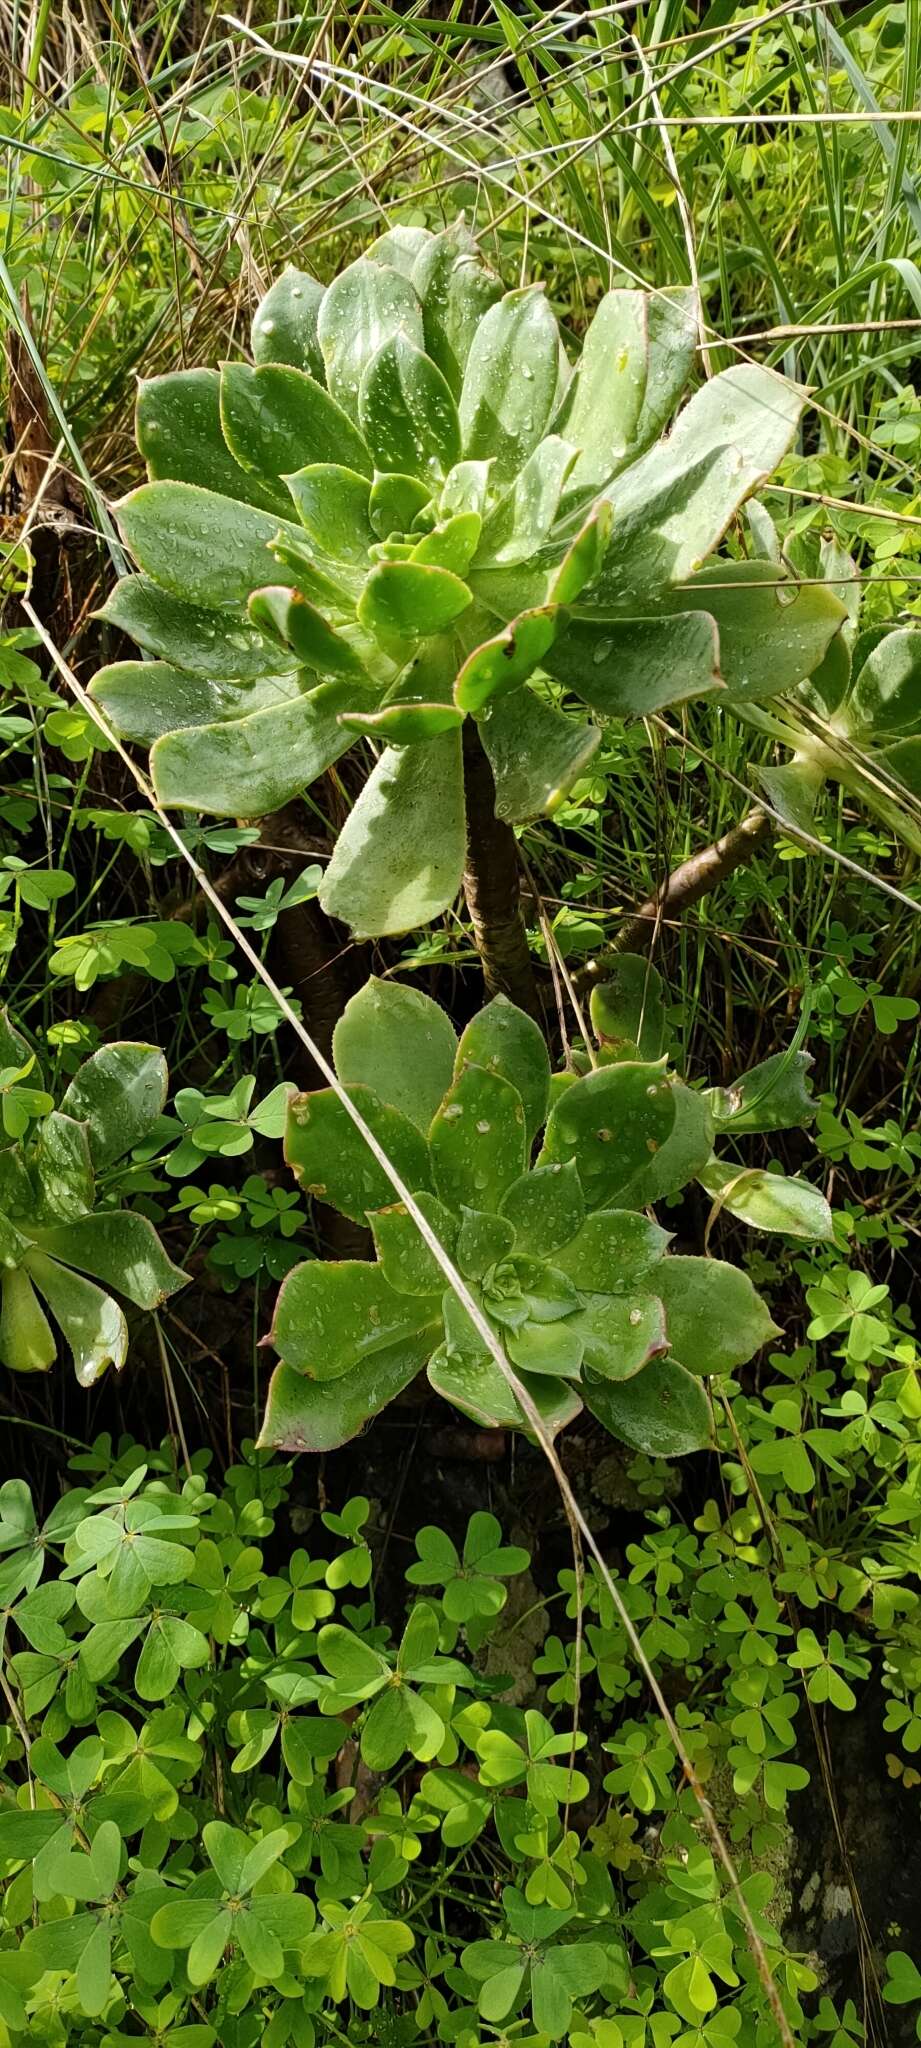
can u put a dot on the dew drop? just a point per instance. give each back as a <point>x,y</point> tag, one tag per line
<point>483,1125</point>
<point>268,326</point>
<point>602,651</point>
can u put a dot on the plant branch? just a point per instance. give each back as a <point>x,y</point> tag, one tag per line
<point>491,885</point>
<point>694,879</point>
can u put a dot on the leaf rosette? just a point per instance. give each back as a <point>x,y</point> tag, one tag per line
<point>412,508</point>
<point>561,1251</point>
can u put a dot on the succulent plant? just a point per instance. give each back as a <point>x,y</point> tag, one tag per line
<point>54,1231</point>
<point>563,1255</point>
<point>863,724</point>
<point>413,509</point>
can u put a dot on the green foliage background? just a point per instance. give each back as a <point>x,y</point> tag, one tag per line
<point>159,169</point>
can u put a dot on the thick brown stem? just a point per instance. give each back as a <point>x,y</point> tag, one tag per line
<point>491,885</point>
<point>694,879</point>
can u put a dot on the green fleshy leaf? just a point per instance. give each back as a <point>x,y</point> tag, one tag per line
<point>404,1256</point>
<point>482,1241</point>
<point>62,1168</point>
<point>475,1385</point>
<point>310,1416</point>
<point>290,619</point>
<point>404,724</point>
<point>145,699</point>
<point>772,630</point>
<point>685,1152</point>
<point>674,504</point>
<point>466,489</point>
<point>610,1122</point>
<point>553,1350</point>
<point>502,664</point>
<point>119,1092</point>
<point>617,1251</point>
<point>771,1097</point>
<point>400,248</point>
<point>364,306</point>
<point>662,1411</point>
<point>510,380</point>
<point>628,1010</point>
<point>26,1338</point>
<point>407,413</point>
<point>400,1043</point>
<point>284,328</point>
<point>903,760</point>
<point>522,520</point>
<point>15,1050</point>
<point>332,502</point>
<point>601,411</point>
<point>399,859</point>
<point>330,1318</point>
<point>630,668</point>
<point>583,558</point>
<point>276,419</point>
<point>886,694</point>
<point>673,337</point>
<point>91,1322</point>
<point>456,289</point>
<point>769,1201</point>
<point>546,1207</point>
<point>410,600</point>
<point>716,1320</point>
<point>792,791</point>
<point>329,1156</point>
<point>197,544</point>
<point>120,1249</point>
<point>254,765</point>
<point>478,1140</point>
<point>619,1334</point>
<point>218,646</point>
<point>395,502</point>
<point>505,1041</point>
<point>451,544</point>
<point>180,436</point>
<point>535,754</point>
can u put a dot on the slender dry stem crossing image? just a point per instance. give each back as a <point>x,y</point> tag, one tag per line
<point>460,650</point>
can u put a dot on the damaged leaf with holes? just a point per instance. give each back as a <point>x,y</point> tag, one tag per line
<point>60,1233</point>
<point>541,1191</point>
<point>413,508</point>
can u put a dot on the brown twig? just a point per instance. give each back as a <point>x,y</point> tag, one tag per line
<point>694,879</point>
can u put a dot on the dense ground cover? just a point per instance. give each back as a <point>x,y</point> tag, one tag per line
<point>366,1744</point>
